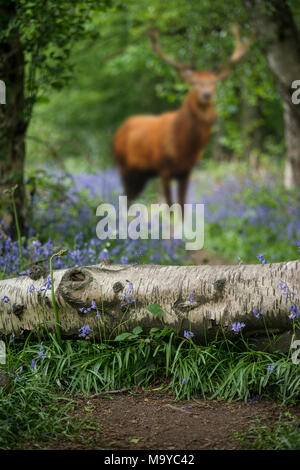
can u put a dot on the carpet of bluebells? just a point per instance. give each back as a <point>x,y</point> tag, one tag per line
<point>243,217</point>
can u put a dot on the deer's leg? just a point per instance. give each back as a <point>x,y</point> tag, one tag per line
<point>183,182</point>
<point>166,182</point>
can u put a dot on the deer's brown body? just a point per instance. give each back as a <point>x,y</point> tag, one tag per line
<point>170,144</point>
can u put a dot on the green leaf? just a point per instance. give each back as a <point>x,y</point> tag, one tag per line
<point>124,336</point>
<point>155,309</point>
<point>43,100</point>
<point>137,330</point>
<point>89,409</point>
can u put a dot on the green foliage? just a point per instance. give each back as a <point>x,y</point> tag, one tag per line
<point>155,309</point>
<point>33,411</point>
<point>249,214</point>
<point>126,77</point>
<point>48,32</point>
<point>283,436</point>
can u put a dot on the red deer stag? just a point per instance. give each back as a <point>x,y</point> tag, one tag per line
<point>169,145</point>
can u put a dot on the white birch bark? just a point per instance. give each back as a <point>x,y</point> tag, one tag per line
<point>223,295</point>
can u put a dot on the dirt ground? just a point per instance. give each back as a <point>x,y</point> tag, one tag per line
<point>205,257</point>
<point>150,420</point>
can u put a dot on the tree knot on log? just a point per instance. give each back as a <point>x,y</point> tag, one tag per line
<point>118,287</point>
<point>18,309</point>
<point>36,272</point>
<point>219,286</point>
<point>74,280</point>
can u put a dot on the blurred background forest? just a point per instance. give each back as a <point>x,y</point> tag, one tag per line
<point>89,65</point>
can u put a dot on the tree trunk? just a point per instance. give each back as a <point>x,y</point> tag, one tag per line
<point>276,27</point>
<point>253,132</point>
<point>219,152</point>
<point>12,121</point>
<point>292,135</point>
<point>201,299</point>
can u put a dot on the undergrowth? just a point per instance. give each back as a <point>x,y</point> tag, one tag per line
<point>45,375</point>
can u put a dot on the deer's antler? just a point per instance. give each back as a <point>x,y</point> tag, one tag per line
<point>240,50</point>
<point>180,67</point>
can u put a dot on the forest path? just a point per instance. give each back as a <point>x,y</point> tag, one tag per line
<point>149,420</point>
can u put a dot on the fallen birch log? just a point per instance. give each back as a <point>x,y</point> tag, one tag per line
<point>114,298</point>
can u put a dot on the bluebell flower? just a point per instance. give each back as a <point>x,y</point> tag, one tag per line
<point>188,334</point>
<point>262,258</point>
<point>5,299</point>
<point>41,352</point>
<point>294,312</point>
<point>256,313</point>
<point>130,286</point>
<point>191,296</point>
<point>237,326</point>
<point>46,285</point>
<point>271,368</point>
<point>84,331</point>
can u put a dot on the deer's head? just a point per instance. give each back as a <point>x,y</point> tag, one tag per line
<point>203,82</point>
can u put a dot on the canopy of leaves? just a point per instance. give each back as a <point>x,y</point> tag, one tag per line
<point>116,74</point>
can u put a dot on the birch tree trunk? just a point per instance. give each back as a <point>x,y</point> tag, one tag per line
<point>202,299</point>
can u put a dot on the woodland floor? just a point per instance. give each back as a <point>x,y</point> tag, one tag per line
<point>149,420</point>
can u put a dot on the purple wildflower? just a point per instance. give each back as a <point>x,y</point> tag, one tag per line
<point>271,368</point>
<point>84,331</point>
<point>188,334</point>
<point>46,285</point>
<point>294,312</point>
<point>32,364</point>
<point>130,286</point>
<point>262,258</point>
<point>184,381</point>
<point>256,397</point>
<point>41,352</point>
<point>5,299</point>
<point>237,326</point>
<point>191,295</point>
<point>31,288</point>
<point>256,313</point>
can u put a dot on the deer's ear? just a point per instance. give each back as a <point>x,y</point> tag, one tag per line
<point>187,74</point>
